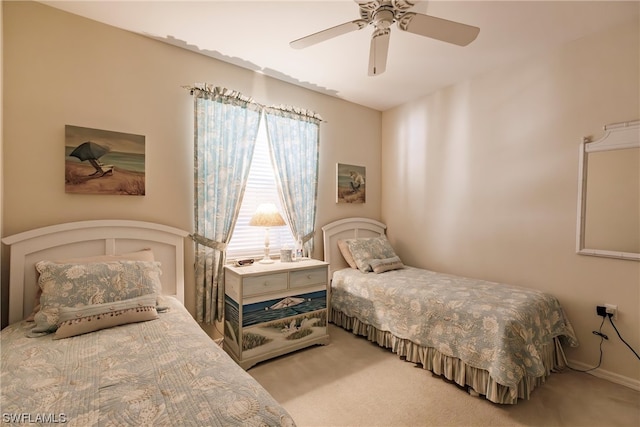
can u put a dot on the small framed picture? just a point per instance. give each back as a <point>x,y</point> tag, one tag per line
<point>350,183</point>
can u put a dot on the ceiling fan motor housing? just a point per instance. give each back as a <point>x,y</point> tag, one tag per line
<point>383,17</point>
<point>383,13</point>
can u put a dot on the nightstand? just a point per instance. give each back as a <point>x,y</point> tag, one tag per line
<point>274,309</point>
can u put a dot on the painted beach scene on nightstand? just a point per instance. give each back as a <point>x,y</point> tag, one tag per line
<point>276,323</point>
<point>265,311</point>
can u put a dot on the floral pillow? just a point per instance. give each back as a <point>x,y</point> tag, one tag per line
<point>363,250</point>
<point>67,286</point>
<point>141,255</point>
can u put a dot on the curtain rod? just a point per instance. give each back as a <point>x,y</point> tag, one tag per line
<point>235,94</point>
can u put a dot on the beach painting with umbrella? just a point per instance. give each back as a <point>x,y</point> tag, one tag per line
<point>104,162</point>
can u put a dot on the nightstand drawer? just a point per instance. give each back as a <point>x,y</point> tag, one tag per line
<point>262,284</point>
<point>316,276</point>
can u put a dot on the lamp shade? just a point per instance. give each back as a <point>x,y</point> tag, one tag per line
<point>267,215</point>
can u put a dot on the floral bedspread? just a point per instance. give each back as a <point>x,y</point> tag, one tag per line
<point>161,372</point>
<point>496,327</point>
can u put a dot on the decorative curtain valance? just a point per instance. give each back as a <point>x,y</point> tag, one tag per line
<point>224,95</point>
<point>229,95</point>
<point>294,113</point>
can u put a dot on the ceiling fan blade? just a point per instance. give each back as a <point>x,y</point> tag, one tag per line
<point>378,51</point>
<point>438,28</point>
<point>329,33</point>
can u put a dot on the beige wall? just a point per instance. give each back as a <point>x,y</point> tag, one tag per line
<point>480,179</point>
<point>62,69</point>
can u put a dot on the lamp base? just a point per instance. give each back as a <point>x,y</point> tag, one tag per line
<point>266,259</point>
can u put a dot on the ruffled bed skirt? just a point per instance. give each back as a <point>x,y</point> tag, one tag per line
<point>452,368</point>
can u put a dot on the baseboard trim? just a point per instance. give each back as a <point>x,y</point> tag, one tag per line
<point>607,375</point>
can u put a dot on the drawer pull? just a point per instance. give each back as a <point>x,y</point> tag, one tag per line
<point>308,276</point>
<point>265,284</point>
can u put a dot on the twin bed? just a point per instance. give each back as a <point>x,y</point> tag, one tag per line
<point>497,340</point>
<point>158,367</point>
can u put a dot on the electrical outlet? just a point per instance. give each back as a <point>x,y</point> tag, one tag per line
<point>612,309</point>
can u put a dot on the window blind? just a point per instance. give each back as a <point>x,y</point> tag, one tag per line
<point>248,241</point>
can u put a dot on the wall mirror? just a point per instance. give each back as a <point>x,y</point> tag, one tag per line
<point>609,193</point>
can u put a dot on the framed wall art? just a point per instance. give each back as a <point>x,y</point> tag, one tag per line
<point>350,183</point>
<point>104,162</point>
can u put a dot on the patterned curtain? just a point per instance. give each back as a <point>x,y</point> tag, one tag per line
<point>226,126</point>
<point>294,142</point>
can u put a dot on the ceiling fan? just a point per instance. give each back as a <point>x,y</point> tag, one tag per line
<point>381,14</point>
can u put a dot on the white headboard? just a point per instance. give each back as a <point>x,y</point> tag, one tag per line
<point>348,228</point>
<point>90,238</point>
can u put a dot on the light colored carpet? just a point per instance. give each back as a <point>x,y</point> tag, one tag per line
<point>353,382</point>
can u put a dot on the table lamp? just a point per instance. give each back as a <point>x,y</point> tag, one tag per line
<point>266,216</point>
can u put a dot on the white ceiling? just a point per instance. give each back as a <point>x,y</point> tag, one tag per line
<point>256,35</point>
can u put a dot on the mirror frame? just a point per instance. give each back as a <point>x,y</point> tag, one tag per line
<point>617,136</point>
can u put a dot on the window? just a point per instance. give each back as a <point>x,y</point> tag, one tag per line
<point>247,241</point>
